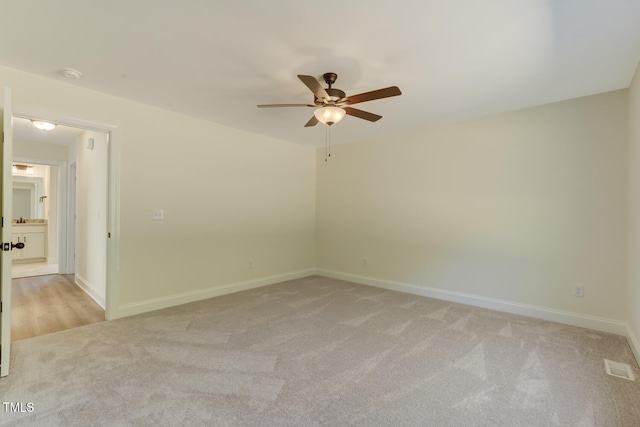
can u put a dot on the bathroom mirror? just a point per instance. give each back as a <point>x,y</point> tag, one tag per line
<point>27,197</point>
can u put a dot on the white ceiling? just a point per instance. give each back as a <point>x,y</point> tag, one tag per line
<point>452,59</point>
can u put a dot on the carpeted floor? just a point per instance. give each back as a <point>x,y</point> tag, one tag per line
<point>319,351</point>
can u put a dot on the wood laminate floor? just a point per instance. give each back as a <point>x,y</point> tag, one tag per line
<point>45,304</point>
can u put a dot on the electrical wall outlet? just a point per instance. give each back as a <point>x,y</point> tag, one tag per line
<point>365,262</point>
<point>157,214</point>
<point>578,291</point>
<point>250,264</point>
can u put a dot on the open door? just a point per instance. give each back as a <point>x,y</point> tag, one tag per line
<point>5,259</point>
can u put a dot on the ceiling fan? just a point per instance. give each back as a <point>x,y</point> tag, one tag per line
<point>332,104</point>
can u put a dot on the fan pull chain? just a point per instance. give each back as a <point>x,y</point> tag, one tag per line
<point>326,143</point>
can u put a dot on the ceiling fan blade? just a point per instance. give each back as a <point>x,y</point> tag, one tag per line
<point>374,94</point>
<point>361,114</point>
<point>313,84</point>
<point>312,122</point>
<point>285,105</point>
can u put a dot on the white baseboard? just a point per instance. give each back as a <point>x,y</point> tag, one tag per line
<point>187,297</point>
<point>634,344</point>
<point>90,290</point>
<point>568,318</point>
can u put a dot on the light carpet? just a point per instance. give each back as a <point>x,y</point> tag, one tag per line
<point>321,352</point>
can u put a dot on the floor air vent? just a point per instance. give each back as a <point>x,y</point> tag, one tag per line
<point>620,370</point>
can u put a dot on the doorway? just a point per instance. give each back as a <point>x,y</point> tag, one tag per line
<point>74,288</point>
<point>37,214</point>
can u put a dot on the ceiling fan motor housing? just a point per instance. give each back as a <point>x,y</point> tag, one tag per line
<point>330,78</point>
<point>334,95</point>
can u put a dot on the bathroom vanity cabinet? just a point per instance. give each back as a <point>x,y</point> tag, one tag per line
<point>34,237</point>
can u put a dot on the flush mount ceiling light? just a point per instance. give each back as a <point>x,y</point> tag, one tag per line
<point>329,115</point>
<point>43,125</point>
<point>70,73</point>
<point>22,169</point>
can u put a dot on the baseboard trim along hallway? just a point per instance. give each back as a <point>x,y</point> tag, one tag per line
<point>90,290</point>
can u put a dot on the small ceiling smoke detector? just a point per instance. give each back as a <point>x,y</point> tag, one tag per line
<point>70,73</point>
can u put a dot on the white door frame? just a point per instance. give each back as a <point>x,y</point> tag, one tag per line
<point>7,200</point>
<point>113,195</point>
<point>70,265</point>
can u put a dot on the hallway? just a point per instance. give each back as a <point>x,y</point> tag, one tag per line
<point>45,304</point>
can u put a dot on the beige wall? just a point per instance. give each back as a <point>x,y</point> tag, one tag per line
<point>634,211</point>
<point>39,150</point>
<point>228,196</point>
<point>516,207</point>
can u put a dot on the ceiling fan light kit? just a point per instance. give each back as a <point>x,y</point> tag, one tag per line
<point>329,115</point>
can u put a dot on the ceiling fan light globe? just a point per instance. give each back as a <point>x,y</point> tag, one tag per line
<point>329,115</point>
